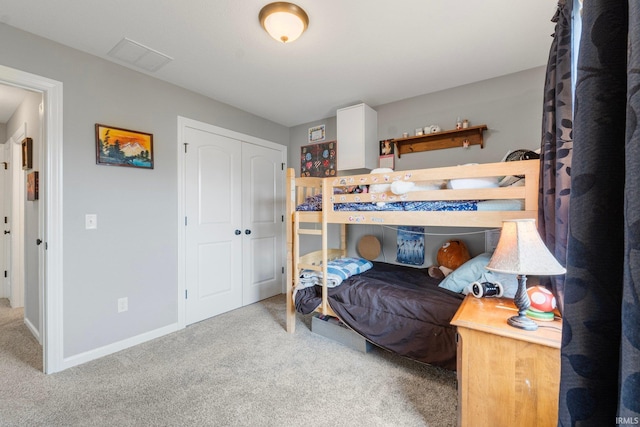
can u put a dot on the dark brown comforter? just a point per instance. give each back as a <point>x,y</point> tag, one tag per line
<point>398,308</point>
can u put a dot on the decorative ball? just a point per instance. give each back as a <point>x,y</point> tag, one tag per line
<point>453,254</point>
<point>541,299</point>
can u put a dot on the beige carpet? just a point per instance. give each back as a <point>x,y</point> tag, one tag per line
<point>237,369</point>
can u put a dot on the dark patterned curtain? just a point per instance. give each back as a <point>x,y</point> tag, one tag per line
<point>556,149</point>
<point>600,379</point>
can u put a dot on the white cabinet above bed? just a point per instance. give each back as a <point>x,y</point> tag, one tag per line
<point>357,128</point>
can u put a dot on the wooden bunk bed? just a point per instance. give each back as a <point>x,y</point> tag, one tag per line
<point>335,201</point>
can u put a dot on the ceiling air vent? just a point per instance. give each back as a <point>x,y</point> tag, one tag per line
<point>139,55</point>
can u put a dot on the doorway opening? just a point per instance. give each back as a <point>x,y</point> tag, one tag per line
<point>50,221</point>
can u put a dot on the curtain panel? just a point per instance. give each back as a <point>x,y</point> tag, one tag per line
<point>556,148</point>
<point>600,362</point>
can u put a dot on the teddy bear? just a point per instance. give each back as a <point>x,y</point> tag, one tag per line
<point>451,255</point>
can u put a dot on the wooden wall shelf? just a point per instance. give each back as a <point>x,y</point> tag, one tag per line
<point>439,140</point>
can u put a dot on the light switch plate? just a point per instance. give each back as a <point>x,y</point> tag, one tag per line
<point>91,221</point>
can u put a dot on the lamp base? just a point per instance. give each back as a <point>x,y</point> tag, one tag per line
<point>522,322</point>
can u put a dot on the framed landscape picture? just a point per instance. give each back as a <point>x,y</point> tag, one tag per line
<point>123,147</point>
<point>32,186</point>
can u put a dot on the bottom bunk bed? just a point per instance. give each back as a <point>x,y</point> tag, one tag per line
<point>395,307</point>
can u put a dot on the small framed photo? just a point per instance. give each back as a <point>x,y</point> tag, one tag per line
<point>27,154</point>
<point>317,133</point>
<point>387,154</point>
<point>32,186</point>
<point>123,147</point>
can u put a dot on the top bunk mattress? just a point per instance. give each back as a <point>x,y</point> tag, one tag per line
<point>314,204</point>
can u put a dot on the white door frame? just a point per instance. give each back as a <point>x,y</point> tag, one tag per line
<point>51,193</point>
<point>184,122</point>
<point>16,217</point>
<point>5,290</point>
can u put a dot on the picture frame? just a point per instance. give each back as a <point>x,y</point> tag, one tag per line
<point>317,133</point>
<point>33,184</point>
<point>123,147</point>
<point>27,154</point>
<point>386,154</point>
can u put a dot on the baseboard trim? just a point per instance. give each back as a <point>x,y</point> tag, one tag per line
<point>34,331</point>
<point>79,359</point>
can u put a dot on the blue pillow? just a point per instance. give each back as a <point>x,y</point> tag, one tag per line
<point>474,271</point>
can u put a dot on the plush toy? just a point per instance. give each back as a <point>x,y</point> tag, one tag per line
<point>383,184</point>
<point>451,255</point>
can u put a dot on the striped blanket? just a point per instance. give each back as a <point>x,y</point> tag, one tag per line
<point>337,271</point>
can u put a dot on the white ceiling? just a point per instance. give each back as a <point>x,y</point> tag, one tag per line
<point>373,51</point>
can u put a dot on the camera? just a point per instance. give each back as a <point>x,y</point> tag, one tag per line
<point>487,289</point>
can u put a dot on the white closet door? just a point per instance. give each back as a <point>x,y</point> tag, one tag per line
<point>262,218</point>
<point>213,240</point>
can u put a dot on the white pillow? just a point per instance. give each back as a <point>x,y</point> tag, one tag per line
<point>404,187</point>
<point>384,186</point>
<point>467,183</point>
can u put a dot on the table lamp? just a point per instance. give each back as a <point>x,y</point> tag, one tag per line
<point>521,251</point>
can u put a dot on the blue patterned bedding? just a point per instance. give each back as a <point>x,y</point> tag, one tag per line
<point>314,203</point>
<point>337,271</point>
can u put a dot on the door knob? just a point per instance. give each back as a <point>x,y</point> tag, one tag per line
<point>38,241</point>
<point>7,231</point>
<point>238,232</point>
<point>247,231</point>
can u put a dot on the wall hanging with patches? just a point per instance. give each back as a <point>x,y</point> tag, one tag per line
<point>318,160</point>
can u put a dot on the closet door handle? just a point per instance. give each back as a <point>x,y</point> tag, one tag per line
<point>238,232</point>
<point>247,231</point>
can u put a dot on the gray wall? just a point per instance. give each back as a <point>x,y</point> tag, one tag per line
<point>511,107</point>
<point>133,252</point>
<point>28,112</point>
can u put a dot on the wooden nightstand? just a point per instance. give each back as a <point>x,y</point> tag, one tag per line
<point>506,376</point>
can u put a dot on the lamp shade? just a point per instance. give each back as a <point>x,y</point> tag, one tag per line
<point>521,251</point>
<point>283,21</point>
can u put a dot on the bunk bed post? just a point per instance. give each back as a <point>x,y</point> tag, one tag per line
<point>532,179</point>
<point>327,194</point>
<point>290,213</point>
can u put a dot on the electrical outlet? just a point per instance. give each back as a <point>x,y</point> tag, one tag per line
<point>123,304</point>
<point>90,221</point>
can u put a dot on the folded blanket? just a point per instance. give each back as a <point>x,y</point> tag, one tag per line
<point>337,271</point>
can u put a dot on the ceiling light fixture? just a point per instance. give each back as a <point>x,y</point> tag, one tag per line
<point>283,21</point>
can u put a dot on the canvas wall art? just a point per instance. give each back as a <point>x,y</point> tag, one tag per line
<point>318,160</point>
<point>123,147</point>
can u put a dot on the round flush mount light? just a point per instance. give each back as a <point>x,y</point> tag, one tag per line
<point>283,21</point>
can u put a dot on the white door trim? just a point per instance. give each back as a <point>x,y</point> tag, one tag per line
<point>51,192</point>
<point>16,269</point>
<point>183,123</point>
<point>5,291</point>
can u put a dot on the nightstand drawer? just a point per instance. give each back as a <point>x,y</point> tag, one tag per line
<point>506,376</point>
